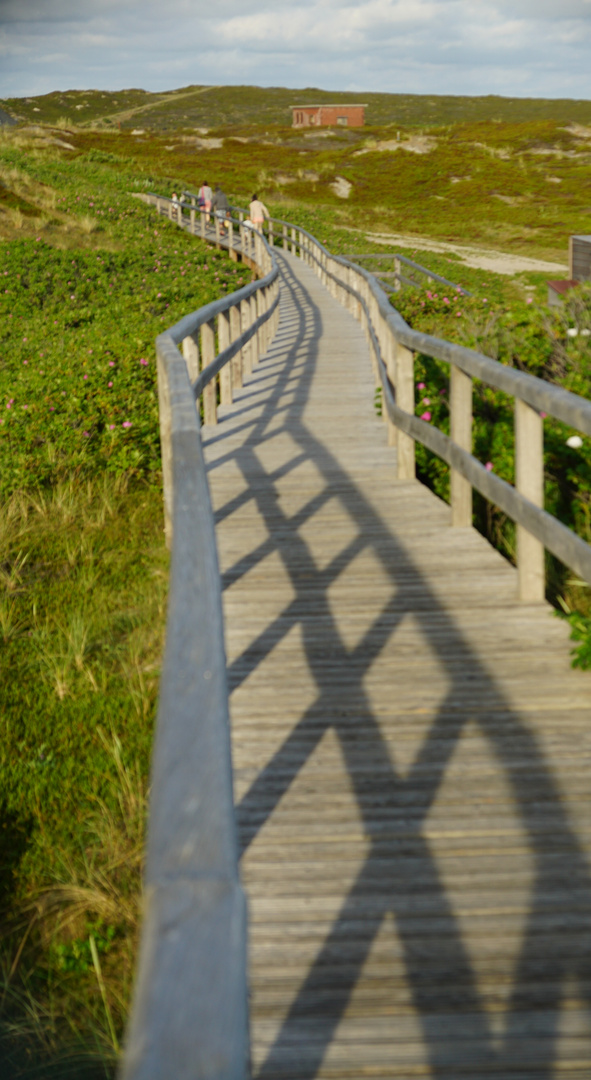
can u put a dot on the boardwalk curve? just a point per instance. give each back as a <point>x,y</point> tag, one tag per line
<point>410,746</point>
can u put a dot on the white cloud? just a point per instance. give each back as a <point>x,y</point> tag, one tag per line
<point>533,47</point>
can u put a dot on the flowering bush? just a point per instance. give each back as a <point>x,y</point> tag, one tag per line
<point>552,345</point>
<point>77,382</point>
<point>80,308</point>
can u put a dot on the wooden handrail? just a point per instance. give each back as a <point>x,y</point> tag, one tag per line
<point>387,331</point>
<point>393,344</point>
<point>398,258</point>
<point>189,1015</point>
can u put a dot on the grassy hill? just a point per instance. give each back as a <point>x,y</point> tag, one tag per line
<point>517,186</point>
<point>216,106</point>
<point>508,173</point>
<point>90,277</point>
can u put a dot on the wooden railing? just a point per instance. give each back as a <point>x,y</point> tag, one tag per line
<point>395,277</point>
<point>393,345</point>
<point>189,1016</point>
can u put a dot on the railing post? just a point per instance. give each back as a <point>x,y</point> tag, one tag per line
<point>529,481</point>
<point>374,314</point>
<point>284,238</point>
<point>331,281</point>
<point>235,332</point>
<point>461,432</point>
<point>266,306</point>
<point>260,307</point>
<point>226,372</point>
<point>191,355</point>
<point>217,230</point>
<point>347,295</point>
<point>258,245</point>
<point>358,312</point>
<point>165,420</point>
<point>276,316</point>
<point>337,283</point>
<point>397,281</point>
<point>192,216</point>
<point>293,242</point>
<point>271,239</point>
<point>405,399</point>
<point>231,251</point>
<point>245,319</point>
<point>203,224</point>
<point>389,357</point>
<point>254,341</point>
<point>210,405</point>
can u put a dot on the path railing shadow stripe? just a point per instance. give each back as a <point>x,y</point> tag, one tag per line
<point>467,1021</point>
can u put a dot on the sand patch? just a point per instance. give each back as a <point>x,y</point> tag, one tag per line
<point>416,144</point>
<point>480,258</point>
<point>341,187</point>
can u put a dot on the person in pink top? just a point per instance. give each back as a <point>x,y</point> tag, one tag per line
<point>257,212</point>
<point>204,199</point>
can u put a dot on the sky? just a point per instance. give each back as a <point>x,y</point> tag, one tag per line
<point>517,48</point>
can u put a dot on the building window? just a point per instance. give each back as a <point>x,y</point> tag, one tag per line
<point>342,121</point>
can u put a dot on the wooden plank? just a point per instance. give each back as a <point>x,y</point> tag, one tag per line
<point>411,747</point>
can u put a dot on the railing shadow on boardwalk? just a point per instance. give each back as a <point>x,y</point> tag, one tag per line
<point>449,1006</point>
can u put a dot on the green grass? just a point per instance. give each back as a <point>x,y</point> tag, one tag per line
<point>83,579</point>
<point>88,277</point>
<point>77,388</point>
<point>84,571</point>
<point>527,335</point>
<point>514,185</point>
<point>217,106</point>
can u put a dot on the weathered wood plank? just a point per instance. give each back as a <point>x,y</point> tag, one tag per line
<point>411,747</point>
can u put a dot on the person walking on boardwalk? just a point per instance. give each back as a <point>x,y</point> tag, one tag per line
<point>204,199</point>
<point>258,212</point>
<point>221,206</point>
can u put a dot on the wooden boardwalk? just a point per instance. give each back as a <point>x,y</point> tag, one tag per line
<point>411,747</point>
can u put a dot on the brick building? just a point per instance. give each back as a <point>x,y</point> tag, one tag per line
<point>328,115</point>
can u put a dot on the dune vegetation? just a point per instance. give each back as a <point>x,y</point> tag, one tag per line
<point>88,277</point>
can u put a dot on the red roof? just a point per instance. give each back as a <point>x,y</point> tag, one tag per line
<point>562,287</point>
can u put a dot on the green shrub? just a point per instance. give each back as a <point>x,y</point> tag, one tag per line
<point>83,570</point>
<point>553,345</point>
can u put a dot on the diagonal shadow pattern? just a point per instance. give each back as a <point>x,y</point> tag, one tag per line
<point>400,875</point>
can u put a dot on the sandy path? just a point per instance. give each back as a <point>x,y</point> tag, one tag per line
<point>480,258</point>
